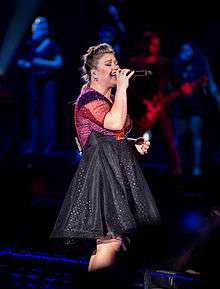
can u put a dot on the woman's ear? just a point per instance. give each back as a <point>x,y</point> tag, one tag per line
<point>93,72</point>
<point>94,75</point>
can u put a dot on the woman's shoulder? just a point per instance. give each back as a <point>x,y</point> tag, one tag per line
<point>87,96</point>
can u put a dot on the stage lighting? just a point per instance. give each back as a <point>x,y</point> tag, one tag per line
<point>192,220</point>
<point>20,22</point>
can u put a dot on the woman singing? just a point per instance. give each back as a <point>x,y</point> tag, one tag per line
<point>108,197</point>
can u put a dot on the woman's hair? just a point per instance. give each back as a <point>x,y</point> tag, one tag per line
<point>90,59</point>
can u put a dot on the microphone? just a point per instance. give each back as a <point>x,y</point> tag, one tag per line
<point>147,134</point>
<point>138,73</point>
<point>142,73</point>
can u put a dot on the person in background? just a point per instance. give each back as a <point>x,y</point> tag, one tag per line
<point>153,92</point>
<point>42,59</point>
<point>190,110</point>
<point>107,34</point>
<point>111,11</point>
<point>112,28</point>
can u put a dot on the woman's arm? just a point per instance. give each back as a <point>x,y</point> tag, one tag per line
<point>116,117</point>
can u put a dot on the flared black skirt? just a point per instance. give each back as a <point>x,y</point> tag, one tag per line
<point>108,196</point>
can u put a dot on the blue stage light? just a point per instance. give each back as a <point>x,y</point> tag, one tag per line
<point>192,220</point>
<point>13,253</point>
<point>20,22</point>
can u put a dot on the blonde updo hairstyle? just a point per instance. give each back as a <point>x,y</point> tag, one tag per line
<point>90,59</point>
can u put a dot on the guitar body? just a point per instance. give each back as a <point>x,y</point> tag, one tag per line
<point>155,106</point>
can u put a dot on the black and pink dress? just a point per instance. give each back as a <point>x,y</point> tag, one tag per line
<point>108,196</point>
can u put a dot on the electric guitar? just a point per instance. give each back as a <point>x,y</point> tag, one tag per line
<point>155,106</point>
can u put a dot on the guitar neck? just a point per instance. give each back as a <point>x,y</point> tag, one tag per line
<point>171,96</point>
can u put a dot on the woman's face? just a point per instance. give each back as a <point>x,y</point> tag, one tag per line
<point>105,70</point>
<point>186,52</point>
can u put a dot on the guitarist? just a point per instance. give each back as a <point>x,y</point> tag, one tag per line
<point>158,83</point>
<point>190,111</point>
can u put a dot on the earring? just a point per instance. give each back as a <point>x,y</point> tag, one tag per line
<point>94,76</point>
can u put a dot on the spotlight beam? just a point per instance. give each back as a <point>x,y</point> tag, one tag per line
<point>23,15</point>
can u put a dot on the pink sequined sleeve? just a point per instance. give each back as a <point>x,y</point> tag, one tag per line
<point>96,111</point>
<point>90,112</point>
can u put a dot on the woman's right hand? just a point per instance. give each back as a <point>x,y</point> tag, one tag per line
<point>143,146</point>
<point>123,76</point>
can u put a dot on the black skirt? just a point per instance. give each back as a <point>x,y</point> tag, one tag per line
<point>108,196</point>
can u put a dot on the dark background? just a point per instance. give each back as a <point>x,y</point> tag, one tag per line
<point>74,25</point>
<point>32,188</point>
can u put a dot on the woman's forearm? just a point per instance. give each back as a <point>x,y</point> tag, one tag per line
<point>116,117</point>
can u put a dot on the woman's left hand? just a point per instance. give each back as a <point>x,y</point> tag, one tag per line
<point>143,147</point>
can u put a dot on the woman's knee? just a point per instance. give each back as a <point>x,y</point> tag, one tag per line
<point>113,245</point>
<point>116,244</point>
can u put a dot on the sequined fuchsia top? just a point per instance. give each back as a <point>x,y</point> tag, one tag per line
<point>91,108</point>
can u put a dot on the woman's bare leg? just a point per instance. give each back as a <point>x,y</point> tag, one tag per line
<point>105,254</point>
<point>91,261</point>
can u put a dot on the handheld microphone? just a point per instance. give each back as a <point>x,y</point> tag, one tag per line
<point>142,73</point>
<point>147,135</point>
<point>138,73</point>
